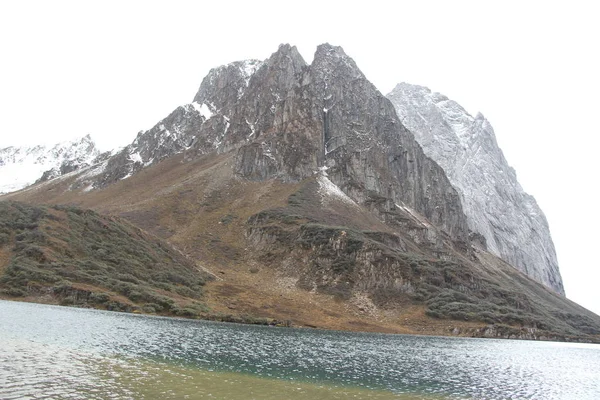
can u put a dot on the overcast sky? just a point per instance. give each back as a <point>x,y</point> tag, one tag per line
<point>113,68</point>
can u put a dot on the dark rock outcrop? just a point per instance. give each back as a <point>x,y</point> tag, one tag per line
<point>294,119</point>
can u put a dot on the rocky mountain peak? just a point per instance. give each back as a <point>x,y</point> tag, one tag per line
<point>328,115</point>
<point>278,74</point>
<point>225,82</point>
<point>331,63</point>
<point>327,51</point>
<point>495,204</point>
<point>287,57</point>
<point>284,119</point>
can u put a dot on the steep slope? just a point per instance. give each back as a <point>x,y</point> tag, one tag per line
<point>285,120</point>
<point>191,124</point>
<point>300,188</point>
<point>73,256</point>
<point>496,206</point>
<point>23,166</point>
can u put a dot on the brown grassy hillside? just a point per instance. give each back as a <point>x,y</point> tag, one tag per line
<point>289,252</point>
<point>70,256</point>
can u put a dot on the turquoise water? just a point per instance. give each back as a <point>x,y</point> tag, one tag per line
<point>62,352</point>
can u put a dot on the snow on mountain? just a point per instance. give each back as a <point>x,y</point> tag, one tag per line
<point>347,202</point>
<point>23,166</point>
<point>223,115</point>
<point>494,202</point>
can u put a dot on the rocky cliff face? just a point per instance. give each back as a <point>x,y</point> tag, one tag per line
<point>496,206</point>
<point>22,166</point>
<point>285,119</point>
<point>294,119</point>
<point>192,125</point>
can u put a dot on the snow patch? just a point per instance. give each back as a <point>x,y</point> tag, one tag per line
<point>414,214</point>
<point>18,176</point>
<point>136,157</point>
<point>248,68</point>
<point>227,125</point>
<point>328,189</point>
<point>203,110</point>
<point>252,129</point>
<point>22,166</point>
<point>219,139</point>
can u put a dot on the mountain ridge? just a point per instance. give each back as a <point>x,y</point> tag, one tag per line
<point>306,184</point>
<point>23,166</point>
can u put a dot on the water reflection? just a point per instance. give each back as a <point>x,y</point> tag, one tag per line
<point>128,356</point>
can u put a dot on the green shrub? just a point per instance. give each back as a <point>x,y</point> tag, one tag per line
<point>185,312</point>
<point>4,238</point>
<point>99,297</point>
<point>154,306</point>
<point>149,309</point>
<point>15,292</point>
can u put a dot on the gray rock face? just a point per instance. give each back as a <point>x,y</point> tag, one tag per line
<point>294,119</point>
<point>201,124</point>
<point>170,136</point>
<point>288,120</point>
<point>513,225</point>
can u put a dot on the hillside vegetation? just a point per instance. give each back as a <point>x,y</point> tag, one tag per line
<point>285,252</point>
<point>78,257</point>
<point>333,252</point>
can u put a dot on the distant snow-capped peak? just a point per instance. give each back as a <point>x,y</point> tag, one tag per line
<point>22,166</point>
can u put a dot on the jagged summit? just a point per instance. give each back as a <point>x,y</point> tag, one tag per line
<point>496,206</point>
<point>285,119</point>
<point>332,61</point>
<point>286,54</point>
<point>229,80</point>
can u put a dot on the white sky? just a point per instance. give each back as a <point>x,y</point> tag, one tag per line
<point>113,68</point>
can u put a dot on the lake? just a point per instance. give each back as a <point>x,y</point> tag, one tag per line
<point>60,352</point>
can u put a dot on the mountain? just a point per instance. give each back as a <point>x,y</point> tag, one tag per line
<point>513,225</point>
<point>299,187</point>
<point>23,166</point>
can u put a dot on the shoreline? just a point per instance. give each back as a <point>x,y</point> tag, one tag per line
<point>486,332</point>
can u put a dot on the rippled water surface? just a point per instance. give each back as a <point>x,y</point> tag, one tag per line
<point>59,352</point>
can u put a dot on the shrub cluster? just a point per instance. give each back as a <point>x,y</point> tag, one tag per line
<point>54,246</point>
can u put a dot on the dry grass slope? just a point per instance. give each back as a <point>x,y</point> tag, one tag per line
<point>78,257</point>
<point>280,252</point>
